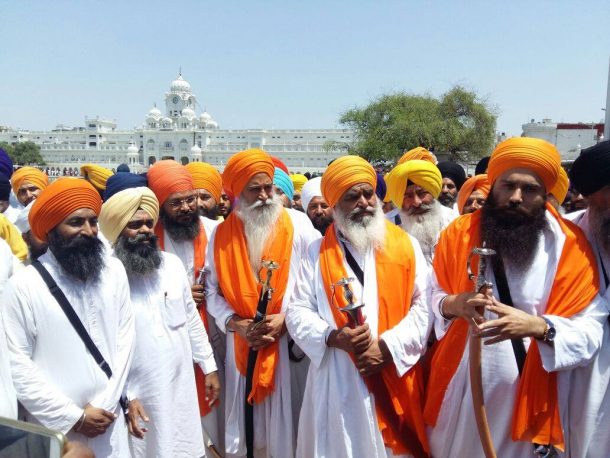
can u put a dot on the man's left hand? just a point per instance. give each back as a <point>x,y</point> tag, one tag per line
<point>198,294</point>
<point>511,323</point>
<point>374,358</point>
<point>212,387</point>
<point>272,327</point>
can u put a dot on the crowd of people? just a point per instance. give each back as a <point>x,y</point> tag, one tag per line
<point>412,312</point>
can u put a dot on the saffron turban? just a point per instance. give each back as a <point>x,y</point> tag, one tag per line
<point>381,189</point>
<point>342,174</point>
<point>205,176</point>
<point>123,180</point>
<point>96,175</point>
<point>591,170</point>
<point>282,181</point>
<point>560,190</point>
<point>5,188</point>
<point>6,164</point>
<point>279,164</point>
<point>123,168</point>
<point>472,184</point>
<point>534,154</point>
<point>61,198</point>
<point>454,171</point>
<point>422,173</point>
<point>23,219</point>
<point>167,177</point>
<point>29,175</point>
<point>298,180</point>
<point>120,208</point>
<point>420,153</point>
<point>242,166</point>
<point>310,190</point>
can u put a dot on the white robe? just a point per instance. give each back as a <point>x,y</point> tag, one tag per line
<point>54,374</point>
<point>8,398</point>
<point>577,341</point>
<point>593,415</point>
<point>273,418</point>
<point>338,416</point>
<point>169,337</point>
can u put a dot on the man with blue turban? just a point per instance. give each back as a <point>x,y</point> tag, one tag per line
<point>283,187</point>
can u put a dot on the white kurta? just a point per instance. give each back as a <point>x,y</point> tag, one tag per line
<point>8,398</point>
<point>54,374</point>
<point>338,416</point>
<point>590,403</point>
<point>169,337</point>
<point>577,341</point>
<point>273,423</point>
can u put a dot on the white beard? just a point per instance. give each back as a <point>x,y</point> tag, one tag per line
<point>424,227</point>
<point>258,219</point>
<point>364,234</point>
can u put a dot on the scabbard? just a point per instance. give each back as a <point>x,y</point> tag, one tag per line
<point>478,400</point>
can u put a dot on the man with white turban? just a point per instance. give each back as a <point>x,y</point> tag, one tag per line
<point>36,248</point>
<point>364,390</point>
<point>414,187</point>
<point>315,206</point>
<point>169,333</point>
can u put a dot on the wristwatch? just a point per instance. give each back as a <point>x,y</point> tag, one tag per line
<point>549,332</point>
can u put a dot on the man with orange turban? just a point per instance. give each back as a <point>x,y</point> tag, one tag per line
<point>57,380</point>
<point>183,232</point>
<point>559,192</point>
<point>414,187</point>
<point>258,232</point>
<point>420,153</point>
<point>208,187</point>
<point>366,260</point>
<point>473,193</point>
<point>27,183</point>
<point>540,320</point>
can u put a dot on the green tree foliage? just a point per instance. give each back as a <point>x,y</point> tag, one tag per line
<point>459,123</point>
<point>26,153</point>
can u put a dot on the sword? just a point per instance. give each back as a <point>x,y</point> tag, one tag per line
<point>476,378</point>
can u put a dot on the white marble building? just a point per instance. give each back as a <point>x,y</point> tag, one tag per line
<point>180,134</point>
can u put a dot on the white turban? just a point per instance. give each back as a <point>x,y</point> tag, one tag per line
<point>23,222</point>
<point>310,190</point>
<point>120,208</point>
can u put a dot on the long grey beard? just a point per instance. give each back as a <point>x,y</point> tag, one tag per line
<point>424,227</point>
<point>139,258</point>
<point>258,219</point>
<point>367,233</point>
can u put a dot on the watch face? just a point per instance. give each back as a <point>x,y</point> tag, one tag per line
<point>175,99</point>
<point>550,335</point>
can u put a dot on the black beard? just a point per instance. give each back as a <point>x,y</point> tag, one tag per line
<point>180,232</point>
<point>447,200</point>
<point>211,214</point>
<point>81,257</point>
<point>139,258</point>
<point>321,223</point>
<point>512,231</point>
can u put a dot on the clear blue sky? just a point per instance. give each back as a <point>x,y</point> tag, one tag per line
<point>289,64</point>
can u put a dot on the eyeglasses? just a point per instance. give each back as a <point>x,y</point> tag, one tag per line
<point>177,203</point>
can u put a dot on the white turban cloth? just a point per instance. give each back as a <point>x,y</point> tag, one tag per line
<point>310,190</point>
<point>120,208</point>
<point>22,222</point>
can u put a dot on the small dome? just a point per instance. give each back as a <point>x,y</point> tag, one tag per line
<point>212,124</point>
<point>205,117</point>
<point>188,113</point>
<point>180,85</point>
<point>195,151</point>
<point>133,149</point>
<point>154,113</point>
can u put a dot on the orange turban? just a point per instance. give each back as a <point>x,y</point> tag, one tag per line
<point>242,166</point>
<point>96,175</point>
<point>206,177</point>
<point>472,184</point>
<point>560,190</point>
<point>534,154</point>
<point>420,153</point>
<point>61,198</point>
<point>167,177</point>
<point>280,164</point>
<point>29,175</point>
<point>342,174</point>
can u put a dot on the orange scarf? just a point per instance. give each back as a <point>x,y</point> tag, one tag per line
<point>395,266</point>
<point>536,413</point>
<point>199,246</point>
<point>241,290</point>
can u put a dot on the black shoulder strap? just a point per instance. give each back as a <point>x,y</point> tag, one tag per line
<point>354,265</point>
<point>505,298</point>
<point>63,302</point>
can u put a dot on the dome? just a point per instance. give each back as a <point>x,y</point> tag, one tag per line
<point>195,151</point>
<point>212,124</point>
<point>180,85</point>
<point>133,149</point>
<point>188,113</point>
<point>205,117</point>
<point>154,113</point>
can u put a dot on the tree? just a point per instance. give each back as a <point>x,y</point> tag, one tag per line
<point>25,153</point>
<point>459,123</point>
